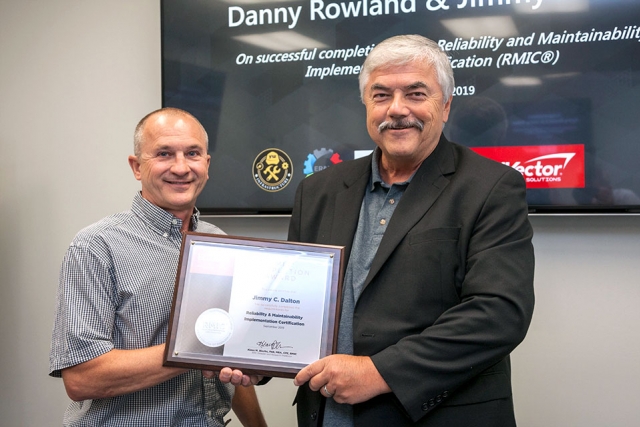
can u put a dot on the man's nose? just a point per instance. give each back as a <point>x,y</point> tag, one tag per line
<point>180,165</point>
<point>398,106</point>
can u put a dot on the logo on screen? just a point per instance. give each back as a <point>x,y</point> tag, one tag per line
<point>272,170</point>
<point>542,166</point>
<point>319,160</point>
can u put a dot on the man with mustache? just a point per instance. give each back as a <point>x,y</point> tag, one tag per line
<point>115,292</point>
<point>438,287</point>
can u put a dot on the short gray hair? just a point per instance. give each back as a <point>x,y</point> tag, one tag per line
<point>138,134</point>
<point>404,49</point>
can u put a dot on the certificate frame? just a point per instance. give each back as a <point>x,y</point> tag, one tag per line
<point>266,307</point>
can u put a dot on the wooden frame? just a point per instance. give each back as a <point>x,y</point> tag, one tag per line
<point>266,307</point>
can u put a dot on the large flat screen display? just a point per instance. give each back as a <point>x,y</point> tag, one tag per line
<point>548,87</point>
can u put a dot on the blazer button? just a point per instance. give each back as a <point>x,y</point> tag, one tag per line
<point>438,399</point>
<point>314,416</point>
<point>425,407</point>
<point>445,394</point>
<point>431,403</point>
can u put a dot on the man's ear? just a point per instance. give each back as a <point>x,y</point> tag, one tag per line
<point>134,163</point>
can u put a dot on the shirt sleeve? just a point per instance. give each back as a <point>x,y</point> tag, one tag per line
<point>217,400</point>
<point>85,307</point>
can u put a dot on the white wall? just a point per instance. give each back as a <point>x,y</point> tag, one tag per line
<point>76,76</point>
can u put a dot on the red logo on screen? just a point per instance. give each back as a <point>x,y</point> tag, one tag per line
<point>542,166</point>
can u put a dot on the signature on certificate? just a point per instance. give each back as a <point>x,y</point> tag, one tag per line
<point>274,345</point>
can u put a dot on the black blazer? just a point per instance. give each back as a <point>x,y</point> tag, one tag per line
<point>450,290</point>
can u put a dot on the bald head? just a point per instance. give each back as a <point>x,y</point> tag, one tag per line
<point>171,161</point>
<point>162,115</point>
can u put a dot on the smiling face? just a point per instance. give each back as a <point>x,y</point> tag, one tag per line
<point>406,112</point>
<point>173,164</point>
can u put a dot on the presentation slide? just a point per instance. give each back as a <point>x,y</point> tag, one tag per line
<point>548,87</point>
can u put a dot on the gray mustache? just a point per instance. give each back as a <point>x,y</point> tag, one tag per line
<point>401,124</point>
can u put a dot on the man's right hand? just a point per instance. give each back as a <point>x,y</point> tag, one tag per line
<point>233,376</point>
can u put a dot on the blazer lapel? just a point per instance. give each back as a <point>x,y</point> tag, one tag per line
<point>348,203</point>
<point>424,189</point>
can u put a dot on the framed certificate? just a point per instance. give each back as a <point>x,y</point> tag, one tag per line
<point>266,307</point>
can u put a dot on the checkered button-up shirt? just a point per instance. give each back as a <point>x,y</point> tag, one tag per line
<point>115,292</point>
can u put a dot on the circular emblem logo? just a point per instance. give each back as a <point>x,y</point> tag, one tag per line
<point>214,327</point>
<point>272,170</point>
<point>319,160</point>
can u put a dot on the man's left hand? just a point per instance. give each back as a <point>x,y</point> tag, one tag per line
<point>346,379</point>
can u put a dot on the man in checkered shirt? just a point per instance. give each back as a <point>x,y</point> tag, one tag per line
<point>116,286</point>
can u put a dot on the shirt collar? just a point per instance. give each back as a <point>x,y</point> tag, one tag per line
<point>158,218</point>
<point>376,178</point>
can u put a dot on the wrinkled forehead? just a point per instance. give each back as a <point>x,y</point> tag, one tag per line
<point>409,73</point>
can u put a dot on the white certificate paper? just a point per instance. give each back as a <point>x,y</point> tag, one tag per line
<point>277,306</point>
